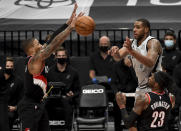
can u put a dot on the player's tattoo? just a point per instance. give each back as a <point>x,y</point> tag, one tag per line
<point>59,39</point>
<point>48,50</point>
<point>141,98</point>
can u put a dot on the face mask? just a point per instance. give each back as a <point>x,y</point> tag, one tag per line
<point>104,48</point>
<point>62,60</point>
<point>169,43</point>
<point>9,71</point>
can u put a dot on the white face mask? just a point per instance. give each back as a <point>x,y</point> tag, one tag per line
<point>169,43</point>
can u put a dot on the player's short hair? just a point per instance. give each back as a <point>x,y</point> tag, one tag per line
<point>163,79</point>
<point>26,44</point>
<point>170,33</point>
<point>145,22</point>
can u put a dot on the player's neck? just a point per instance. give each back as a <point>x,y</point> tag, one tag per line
<point>157,90</point>
<point>139,41</point>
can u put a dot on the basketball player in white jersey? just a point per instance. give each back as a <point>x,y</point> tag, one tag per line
<point>144,51</point>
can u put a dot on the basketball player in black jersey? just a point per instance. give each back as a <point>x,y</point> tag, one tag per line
<point>151,109</point>
<point>31,109</point>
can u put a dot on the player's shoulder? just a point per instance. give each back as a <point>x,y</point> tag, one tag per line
<point>153,41</point>
<point>172,96</point>
<point>154,44</point>
<point>141,99</point>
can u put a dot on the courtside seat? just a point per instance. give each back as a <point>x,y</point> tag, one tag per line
<point>92,113</point>
<point>82,65</point>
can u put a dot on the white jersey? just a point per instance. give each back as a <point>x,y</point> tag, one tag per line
<point>143,72</point>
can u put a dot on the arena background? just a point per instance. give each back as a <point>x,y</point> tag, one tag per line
<point>108,14</point>
<point>26,14</point>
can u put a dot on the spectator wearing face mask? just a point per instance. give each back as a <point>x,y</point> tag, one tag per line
<point>11,92</point>
<point>171,55</point>
<point>101,66</point>
<point>63,72</point>
<point>101,63</point>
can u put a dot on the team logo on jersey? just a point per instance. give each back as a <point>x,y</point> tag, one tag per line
<point>141,66</point>
<point>12,84</point>
<point>68,76</point>
<point>174,57</point>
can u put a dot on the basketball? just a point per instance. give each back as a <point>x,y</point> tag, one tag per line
<point>84,25</point>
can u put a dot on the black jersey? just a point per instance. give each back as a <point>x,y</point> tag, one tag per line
<point>35,85</point>
<point>155,117</point>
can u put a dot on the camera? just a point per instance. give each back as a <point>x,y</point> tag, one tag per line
<point>57,89</point>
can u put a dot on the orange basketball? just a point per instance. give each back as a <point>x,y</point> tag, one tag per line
<point>84,25</point>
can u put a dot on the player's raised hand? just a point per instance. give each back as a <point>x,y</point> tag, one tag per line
<point>74,18</point>
<point>80,14</point>
<point>72,15</point>
<point>114,52</point>
<point>127,44</point>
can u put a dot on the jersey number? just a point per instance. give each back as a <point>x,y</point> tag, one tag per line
<point>158,116</point>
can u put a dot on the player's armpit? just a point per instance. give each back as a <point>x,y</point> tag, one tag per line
<point>35,64</point>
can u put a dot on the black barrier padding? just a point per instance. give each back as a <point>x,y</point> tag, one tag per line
<point>19,66</point>
<point>2,61</point>
<point>82,66</point>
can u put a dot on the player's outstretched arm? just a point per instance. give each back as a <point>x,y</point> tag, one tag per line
<point>140,105</point>
<point>117,53</point>
<point>154,50</point>
<point>64,26</point>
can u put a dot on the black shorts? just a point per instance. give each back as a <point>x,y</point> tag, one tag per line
<point>33,116</point>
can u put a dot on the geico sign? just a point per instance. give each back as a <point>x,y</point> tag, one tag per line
<point>57,122</point>
<point>92,91</point>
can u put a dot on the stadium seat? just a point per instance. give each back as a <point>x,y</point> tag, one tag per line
<point>54,106</point>
<point>92,113</point>
<point>82,66</point>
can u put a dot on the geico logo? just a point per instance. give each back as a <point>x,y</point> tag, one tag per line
<point>55,122</point>
<point>94,91</point>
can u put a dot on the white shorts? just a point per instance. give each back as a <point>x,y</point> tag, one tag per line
<point>141,91</point>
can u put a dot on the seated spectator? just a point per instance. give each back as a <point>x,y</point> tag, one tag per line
<point>171,56</point>
<point>15,92</point>
<point>177,75</point>
<point>177,79</point>
<point>14,86</point>
<point>176,91</point>
<point>101,65</point>
<point>63,72</point>
<point>123,79</point>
